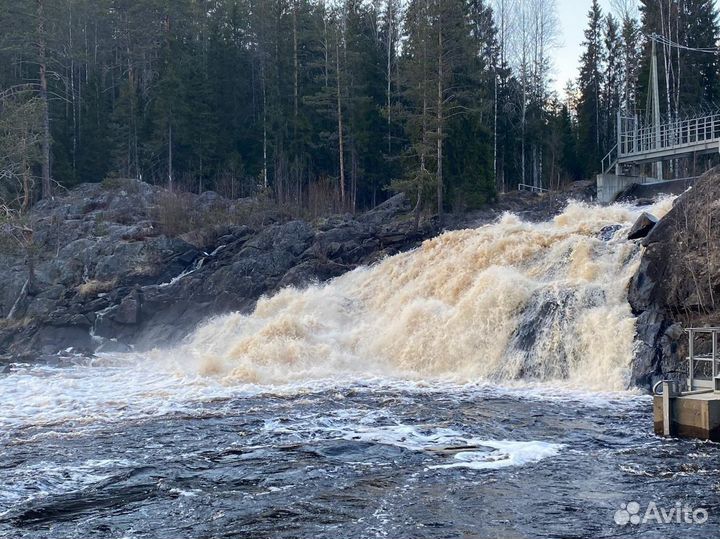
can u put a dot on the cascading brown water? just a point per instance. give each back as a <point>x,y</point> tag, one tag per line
<point>510,300</point>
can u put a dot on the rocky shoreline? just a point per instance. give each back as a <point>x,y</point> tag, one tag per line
<point>678,282</point>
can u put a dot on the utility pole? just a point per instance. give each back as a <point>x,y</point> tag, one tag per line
<point>656,107</point>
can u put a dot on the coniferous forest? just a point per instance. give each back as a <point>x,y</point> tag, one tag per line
<point>330,105</point>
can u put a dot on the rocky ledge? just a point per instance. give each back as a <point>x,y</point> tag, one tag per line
<point>128,264</point>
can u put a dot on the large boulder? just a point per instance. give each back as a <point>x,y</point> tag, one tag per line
<point>642,227</point>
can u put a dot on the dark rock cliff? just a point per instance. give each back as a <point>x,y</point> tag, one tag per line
<point>108,274</point>
<point>678,282</point>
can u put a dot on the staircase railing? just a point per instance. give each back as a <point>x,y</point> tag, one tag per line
<point>531,188</point>
<point>608,162</point>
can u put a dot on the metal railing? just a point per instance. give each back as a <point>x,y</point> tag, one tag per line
<point>608,162</point>
<point>635,139</point>
<point>638,140</point>
<point>709,378</point>
<point>531,188</point>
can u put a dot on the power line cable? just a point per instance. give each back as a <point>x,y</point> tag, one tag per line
<point>663,40</point>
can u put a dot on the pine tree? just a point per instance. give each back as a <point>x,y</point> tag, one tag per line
<point>699,71</point>
<point>417,96</point>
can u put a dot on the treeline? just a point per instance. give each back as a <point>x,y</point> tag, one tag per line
<point>324,105</point>
<point>615,68</point>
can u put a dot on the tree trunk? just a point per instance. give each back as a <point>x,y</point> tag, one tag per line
<point>295,71</point>
<point>296,165</point>
<point>265,134</point>
<point>498,186</point>
<point>341,148</point>
<point>524,76</point>
<point>416,211</point>
<point>440,122</point>
<point>42,62</point>
<point>26,181</point>
<point>390,16</point>
<point>326,47</point>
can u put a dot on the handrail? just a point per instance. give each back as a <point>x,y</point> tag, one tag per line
<point>610,160</point>
<point>635,139</point>
<point>531,188</point>
<point>694,358</point>
<point>705,329</point>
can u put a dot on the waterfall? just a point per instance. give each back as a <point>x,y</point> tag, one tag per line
<point>506,301</point>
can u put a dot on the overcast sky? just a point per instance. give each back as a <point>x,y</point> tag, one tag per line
<point>573,19</point>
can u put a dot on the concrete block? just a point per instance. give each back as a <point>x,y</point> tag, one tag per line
<point>692,416</point>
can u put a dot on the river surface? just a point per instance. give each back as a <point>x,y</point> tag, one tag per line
<point>114,449</point>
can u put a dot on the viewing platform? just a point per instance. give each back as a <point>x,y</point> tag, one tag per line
<point>639,144</point>
<point>695,412</point>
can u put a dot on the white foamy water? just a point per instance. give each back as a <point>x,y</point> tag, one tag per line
<point>461,449</point>
<point>466,451</point>
<point>100,392</point>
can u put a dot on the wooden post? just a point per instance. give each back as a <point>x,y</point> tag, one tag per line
<point>667,416</point>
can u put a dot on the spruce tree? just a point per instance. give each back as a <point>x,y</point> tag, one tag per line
<point>590,84</point>
<point>611,82</point>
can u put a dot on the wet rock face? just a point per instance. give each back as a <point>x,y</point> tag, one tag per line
<point>678,281</point>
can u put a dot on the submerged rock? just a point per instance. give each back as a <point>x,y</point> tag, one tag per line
<point>608,232</point>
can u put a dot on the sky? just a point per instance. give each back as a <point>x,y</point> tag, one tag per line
<point>573,19</point>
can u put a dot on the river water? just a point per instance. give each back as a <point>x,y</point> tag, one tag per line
<point>363,459</point>
<point>476,387</point>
